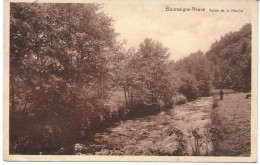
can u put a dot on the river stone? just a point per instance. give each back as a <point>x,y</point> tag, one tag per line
<point>78,148</point>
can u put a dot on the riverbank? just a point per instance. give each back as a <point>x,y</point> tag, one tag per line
<point>232,116</point>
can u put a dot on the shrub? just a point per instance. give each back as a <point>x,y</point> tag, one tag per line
<point>179,99</point>
<point>189,87</point>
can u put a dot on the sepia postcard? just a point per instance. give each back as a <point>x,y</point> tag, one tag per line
<point>139,80</point>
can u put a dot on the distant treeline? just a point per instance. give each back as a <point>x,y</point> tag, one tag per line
<point>66,64</point>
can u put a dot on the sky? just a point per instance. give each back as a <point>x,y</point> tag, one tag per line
<point>182,32</point>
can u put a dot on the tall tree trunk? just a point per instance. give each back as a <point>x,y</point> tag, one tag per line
<point>131,98</point>
<point>26,101</point>
<point>126,101</point>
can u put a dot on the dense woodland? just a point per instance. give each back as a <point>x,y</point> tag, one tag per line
<point>231,58</point>
<point>66,64</point>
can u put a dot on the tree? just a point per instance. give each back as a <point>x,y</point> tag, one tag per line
<point>231,59</point>
<point>60,67</point>
<point>197,65</point>
<point>147,75</point>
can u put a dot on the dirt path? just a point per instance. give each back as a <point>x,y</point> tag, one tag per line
<point>181,131</point>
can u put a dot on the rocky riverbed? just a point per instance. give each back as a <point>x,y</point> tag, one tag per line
<point>183,130</point>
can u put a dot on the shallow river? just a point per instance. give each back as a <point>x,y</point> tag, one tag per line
<point>184,130</point>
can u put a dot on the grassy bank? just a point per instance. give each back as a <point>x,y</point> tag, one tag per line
<point>232,116</point>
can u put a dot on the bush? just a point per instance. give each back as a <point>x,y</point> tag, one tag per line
<point>189,87</point>
<point>57,117</point>
<point>140,109</point>
<point>179,99</point>
<point>189,91</point>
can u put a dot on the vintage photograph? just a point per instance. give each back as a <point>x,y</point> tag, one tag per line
<point>125,78</point>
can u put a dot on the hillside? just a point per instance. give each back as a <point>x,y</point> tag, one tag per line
<point>231,58</point>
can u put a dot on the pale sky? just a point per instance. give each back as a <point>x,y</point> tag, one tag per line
<point>182,32</point>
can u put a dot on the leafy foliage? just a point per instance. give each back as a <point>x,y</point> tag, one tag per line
<point>144,77</point>
<point>60,64</point>
<point>194,75</point>
<point>231,58</point>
